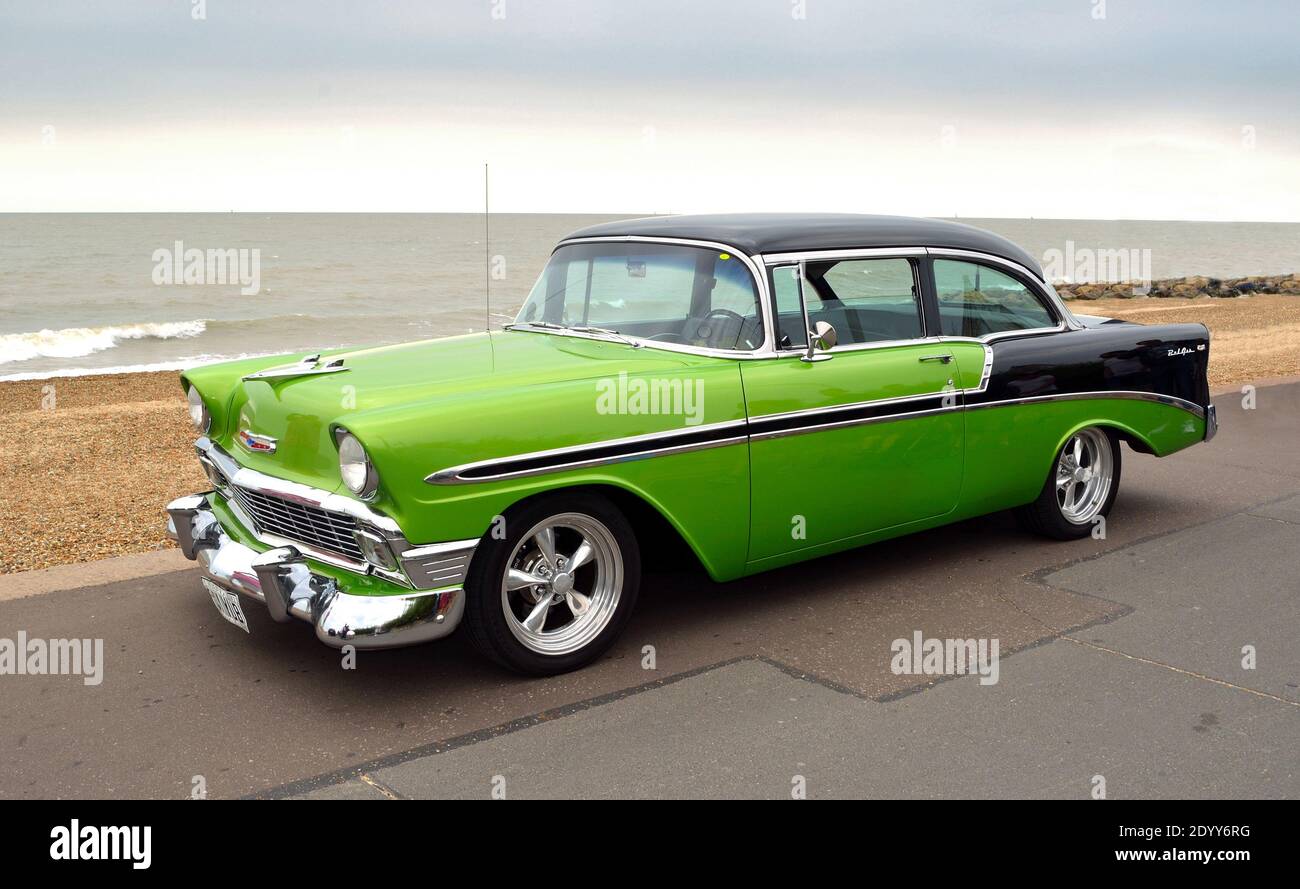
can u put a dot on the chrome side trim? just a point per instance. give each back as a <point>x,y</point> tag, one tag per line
<point>837,408</point>
<point>814,255</point>
<point>859,421</point>
<point>987,372</point>
<point>636,447</point>
<point>1190,406</point>
<point>1169,400</point>
<point>862,347</point>
<point>660,444</point>
<point>1211,423</point>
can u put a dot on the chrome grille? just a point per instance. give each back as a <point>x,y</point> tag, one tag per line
<point>321,528</point>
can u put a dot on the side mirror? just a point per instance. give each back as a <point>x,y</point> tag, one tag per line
<point>822,338</point>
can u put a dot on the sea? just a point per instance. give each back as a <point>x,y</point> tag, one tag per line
<point>109,293</point>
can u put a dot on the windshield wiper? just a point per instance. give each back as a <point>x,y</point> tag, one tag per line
<point>548,325</point>
<point>605,331</point>
<point>602,331</point>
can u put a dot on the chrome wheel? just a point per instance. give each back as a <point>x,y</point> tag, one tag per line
<point>562,584</point>
<point>1084,474</point>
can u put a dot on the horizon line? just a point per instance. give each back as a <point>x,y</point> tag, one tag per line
<point>620,214</point>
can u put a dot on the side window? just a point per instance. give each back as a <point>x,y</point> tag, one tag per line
<point>867,300</point>
<point>975,300</point>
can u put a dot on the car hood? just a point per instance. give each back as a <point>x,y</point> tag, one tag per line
<point>302,412</point>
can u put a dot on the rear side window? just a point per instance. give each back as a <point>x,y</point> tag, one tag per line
<point>975,300</point>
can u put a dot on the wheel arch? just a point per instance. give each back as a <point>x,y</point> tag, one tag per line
<point>1123,431</point>
<point>651,523</point>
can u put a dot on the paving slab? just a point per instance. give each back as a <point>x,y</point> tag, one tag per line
<point>1059,715</point>
<point>1203,595</point>
<point>1284,510</point>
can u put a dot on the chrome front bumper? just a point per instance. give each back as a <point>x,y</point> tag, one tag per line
<point>280,579</point>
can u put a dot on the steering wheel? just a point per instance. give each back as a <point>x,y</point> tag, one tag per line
<point>702,329</point>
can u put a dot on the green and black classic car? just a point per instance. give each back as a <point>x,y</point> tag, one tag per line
<point>683,376</point>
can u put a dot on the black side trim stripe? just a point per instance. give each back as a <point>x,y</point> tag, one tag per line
<point>759,428</point>
<point>777,425</point>
<point>597,454</point>
<point>1171,400</point>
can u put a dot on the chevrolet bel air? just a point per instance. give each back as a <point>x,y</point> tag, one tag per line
<point>754,390</point>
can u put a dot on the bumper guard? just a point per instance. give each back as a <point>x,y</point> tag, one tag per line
<point>281,580</point>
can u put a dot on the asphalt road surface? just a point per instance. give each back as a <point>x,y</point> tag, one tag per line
<point>1121,660</point>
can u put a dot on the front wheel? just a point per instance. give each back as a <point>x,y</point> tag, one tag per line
<point>1080,487</point>
<point>555,593</point>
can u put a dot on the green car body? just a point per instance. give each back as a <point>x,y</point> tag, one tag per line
<point>724,449</point>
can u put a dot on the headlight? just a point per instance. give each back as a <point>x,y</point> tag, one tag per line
<point>199,415</point>
<point>358,472</point>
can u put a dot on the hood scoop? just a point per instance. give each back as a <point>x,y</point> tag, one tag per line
<point>309,365</point>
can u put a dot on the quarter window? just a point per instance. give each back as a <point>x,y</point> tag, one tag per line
<point>789,314</point>
<point>975,300</point>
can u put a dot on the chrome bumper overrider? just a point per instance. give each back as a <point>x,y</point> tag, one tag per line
<point>281,580</point>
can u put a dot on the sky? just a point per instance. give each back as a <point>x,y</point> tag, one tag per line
<point>1106,109</point>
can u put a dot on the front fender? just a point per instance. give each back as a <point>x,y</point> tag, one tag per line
<point>702,493</point>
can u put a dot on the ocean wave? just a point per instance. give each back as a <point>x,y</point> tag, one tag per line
<point>77,342</point>
<point>178,364</point>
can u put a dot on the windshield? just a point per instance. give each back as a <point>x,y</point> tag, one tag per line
<point>663,293</point>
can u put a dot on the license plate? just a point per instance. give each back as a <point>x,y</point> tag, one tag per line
<point>227,604</point>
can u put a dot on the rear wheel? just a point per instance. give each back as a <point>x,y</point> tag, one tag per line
<point>558,590</point>
<point>1080,487</point>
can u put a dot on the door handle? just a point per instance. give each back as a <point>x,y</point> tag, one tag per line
<point>946,359</point>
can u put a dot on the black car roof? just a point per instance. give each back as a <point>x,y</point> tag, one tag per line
<point>792,232</point>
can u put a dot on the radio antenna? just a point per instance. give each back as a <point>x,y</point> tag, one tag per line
<point>487,258</point>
